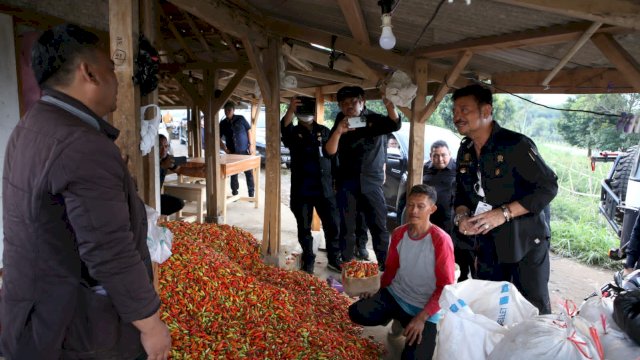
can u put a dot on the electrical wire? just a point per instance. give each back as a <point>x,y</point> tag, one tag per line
<point>538,104</point>
<point>435,13</point>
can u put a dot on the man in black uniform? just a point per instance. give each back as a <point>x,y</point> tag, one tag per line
<point>440,173</point>
<point>236,131</point>
<point>503,186</point>
<point>311,180</point>
<point>358,138</point>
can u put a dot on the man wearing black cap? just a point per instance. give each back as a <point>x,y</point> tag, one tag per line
<point>236,131</point>
<point>358,138</point>
<point>311,180</point>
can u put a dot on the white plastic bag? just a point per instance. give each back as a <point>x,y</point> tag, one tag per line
<point>158,237</point>
<point>597,307</point>
<point>149,129</point>
<point>400,90</point>
<point>545,337</point>
<point>463,335</point>
<point>499,301</point>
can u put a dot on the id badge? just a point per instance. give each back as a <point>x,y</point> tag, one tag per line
<point>482,207</point>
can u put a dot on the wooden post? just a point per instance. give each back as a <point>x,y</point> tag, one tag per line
<point>255,113</point>
<point>271,232</point>
<point>123,29</point>
<point>197,135</point>
<point>416,135</point>
<point>319,106</point>
<point>215,182</point>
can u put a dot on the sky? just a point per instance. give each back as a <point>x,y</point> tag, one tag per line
<point>550,99</point>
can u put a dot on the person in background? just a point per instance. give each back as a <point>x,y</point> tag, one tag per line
<point>77,279</point>
<point>311,180</point>
<point>420,264</point>
<point>633,249</point>
<point>169,204</point>
<point>503,187</point>
<point>236,132</point>
<point>361,153</point>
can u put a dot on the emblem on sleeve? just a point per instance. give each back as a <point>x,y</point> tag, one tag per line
<point>500,158</point>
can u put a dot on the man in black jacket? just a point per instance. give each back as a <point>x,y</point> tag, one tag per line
<point>503,186</point>
<point>311,180</point>
<point>358,138</point>
<point>77,272</point>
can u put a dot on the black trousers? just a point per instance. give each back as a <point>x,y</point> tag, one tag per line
<point>373,206</point>
<point>170,204</point>
<point>530,275</point>
<point>382,308</point>
<point>250,185</point>
<point>361,231</point>
<point>302,208</point>
<point>466,259</point>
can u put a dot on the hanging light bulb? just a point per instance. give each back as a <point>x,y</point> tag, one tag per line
<point>387,39</point>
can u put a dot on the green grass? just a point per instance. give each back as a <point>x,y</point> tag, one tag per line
<point>578,230</point>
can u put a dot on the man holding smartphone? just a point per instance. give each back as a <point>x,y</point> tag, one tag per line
<point>359,142</point>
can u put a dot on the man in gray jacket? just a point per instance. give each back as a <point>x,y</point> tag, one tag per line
<point>77,273</point>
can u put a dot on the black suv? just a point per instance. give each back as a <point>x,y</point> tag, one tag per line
<point>395,186</point>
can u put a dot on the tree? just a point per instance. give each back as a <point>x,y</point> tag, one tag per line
<point>593,131</point>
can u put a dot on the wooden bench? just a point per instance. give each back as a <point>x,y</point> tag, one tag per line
<point>189,192</point>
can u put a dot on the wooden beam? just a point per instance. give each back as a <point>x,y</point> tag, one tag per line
<point>574,49</point>
<point>355,20</point>
<point>321,57</point>
<point>256,104</point>
<point>545,36</point>
<point>167,99</point>
<point>416,134</point>
<point>232,20</point>
<point>329,75</point>
<point>299,63</point>
<point>230,44</point>
<point>123,30</point>
<point>271,232</point>
<point>575,81</point>
<point>199,65</point>
<point>189,88</point>
<point>195,30</point>
<point>619,57</point>
<point>343,44</point>
<point>370,73</point>
<point>176,34</point>
<point>463,60</point>
<point>624,13</point>
<point>215,182</point>
<point>258,68</point>
<point>229,89</point>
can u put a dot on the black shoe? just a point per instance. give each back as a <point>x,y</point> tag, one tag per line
<point>335,265</point>
<point>251,194</point>
<point>234,192</point>
<point>362,254</point>
<point>308,264</point>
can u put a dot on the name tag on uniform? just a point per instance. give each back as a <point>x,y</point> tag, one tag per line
<point>482,207</point>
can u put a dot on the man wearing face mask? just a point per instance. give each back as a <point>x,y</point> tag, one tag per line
<point>358,138</point>
<point>311,181</point>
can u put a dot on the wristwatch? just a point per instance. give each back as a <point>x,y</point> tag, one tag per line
<point>459,217</point>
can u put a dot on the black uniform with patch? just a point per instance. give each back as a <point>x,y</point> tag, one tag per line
<point>312,187</point>
<point>511,170</point>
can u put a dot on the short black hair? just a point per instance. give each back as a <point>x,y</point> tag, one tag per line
<point>424,189</point>
<point>230,105</point>
<point>160,137</point>
<point>57,51</point>
<point>481,93</point>
<point>347,92</point>
<point>439,144</point>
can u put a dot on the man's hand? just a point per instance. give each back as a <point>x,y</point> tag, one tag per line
<point>155,337</point>
<point>343,126</point>
<point>366,295</point>
<point>413,331</point>
<point>167,162</point>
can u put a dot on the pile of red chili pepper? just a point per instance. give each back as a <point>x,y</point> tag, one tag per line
<point>359,269</point>
<point>221,301</point>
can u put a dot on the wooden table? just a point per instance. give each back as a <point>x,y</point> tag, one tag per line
<point>232,164</point>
